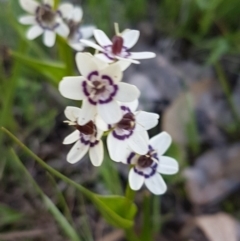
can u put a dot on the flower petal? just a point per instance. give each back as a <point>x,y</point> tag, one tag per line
<point>100,63</point>
<point>101,38</point>
<point>72,113</point>
<point>88,113</point>
<point>156,184</point>
<point>113,71</point>
<point>76,46</point>
<point>27,19</point>
<point>130,38</point>
<point>138,142</point>
<point>49,38</point>
<point>71,88</point>
<point>131,105</point>
<point>127,92</point>
<point>128,59</point>
<point>77,14</point>
<point>62,30</point>
<point>85,64</point>
<point>110,112</point>
<point>87,31</point>
<point>96,154</point>
<point>135,180</point>
<point>142,55</point>
<point>34,31</point>
<point>117,149</point>
<point>146,120</point>
<point>104,58</point>
<point>123,64</point>
<point>29,5</point>
<point>77,152</point>
<point>66,10</point>
<point>73,137</point>
<point>100,123</point>
<point>161,142</point>
<point>167,165</point>
<point>91,44</point>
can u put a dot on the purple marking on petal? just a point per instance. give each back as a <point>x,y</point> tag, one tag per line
<point>108,49</point>
<point>92,74</point>
<point>130,157</point>
<point>125,108</point>
<point>84,85</point>
<point>92,144</point>
<point>122,137</point>
<point>141,173</point>
<point>92,102</point>
<point>115,89</point>
<point>88,142</point>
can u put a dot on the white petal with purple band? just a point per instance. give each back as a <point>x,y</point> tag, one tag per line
<point>101,38</point>
<point>135,180</point>
<point>130,38</point>
<point>71,87</point>
<point>29,5</point>
<point>34,31</point>
<point>73,137</point>
<point>156,184</point>
<point>161,142</point>
<point>96,154</point>
<point>76,153</point>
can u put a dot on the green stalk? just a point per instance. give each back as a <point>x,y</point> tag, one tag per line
<point>129,193</point>
<point>87,193</point>
<point>130,233</point>
<point>226,89</point>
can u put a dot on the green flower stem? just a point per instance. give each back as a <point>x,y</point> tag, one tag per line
<point>87,193</point>
<point>226,89</point>
<point>130,233</point>
<point>129,193</point>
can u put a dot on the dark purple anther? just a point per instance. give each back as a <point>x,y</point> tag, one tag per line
<point>117,44</point>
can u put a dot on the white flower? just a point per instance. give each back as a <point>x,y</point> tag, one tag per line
<point>99,88</point>
<point>77,32</point>
<point>118,48</point>
<point>147,167</point>
<point>45,20</point>
<point>81,32</point>
<point>86,138</point>
<point>130,132</point>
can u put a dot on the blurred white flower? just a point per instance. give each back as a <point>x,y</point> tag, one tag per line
<point>99,88</point>
<point>45,20</point>
<point>77,32</point>
<point>119,47</point>
<point>146,168</point>
<point>130,132</point>
<point>86,138</point>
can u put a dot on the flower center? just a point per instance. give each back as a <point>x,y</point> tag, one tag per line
<point>127,122</point>
<point>98,87</point>
<point>73,27</point>
<point>117,44</point>
<point>87,129</point>
<point>145,161</point>
<point>45,14</point>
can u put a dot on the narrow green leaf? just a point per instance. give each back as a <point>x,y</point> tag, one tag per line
<point>51,70</point>
<point>119,205</point>
<point>118,211</point>
<point>8,215</point>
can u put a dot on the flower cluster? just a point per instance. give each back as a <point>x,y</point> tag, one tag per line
<point>64,21</point>
<point>109,106</point>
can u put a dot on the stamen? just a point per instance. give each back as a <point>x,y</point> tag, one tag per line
<point>116,26</point>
